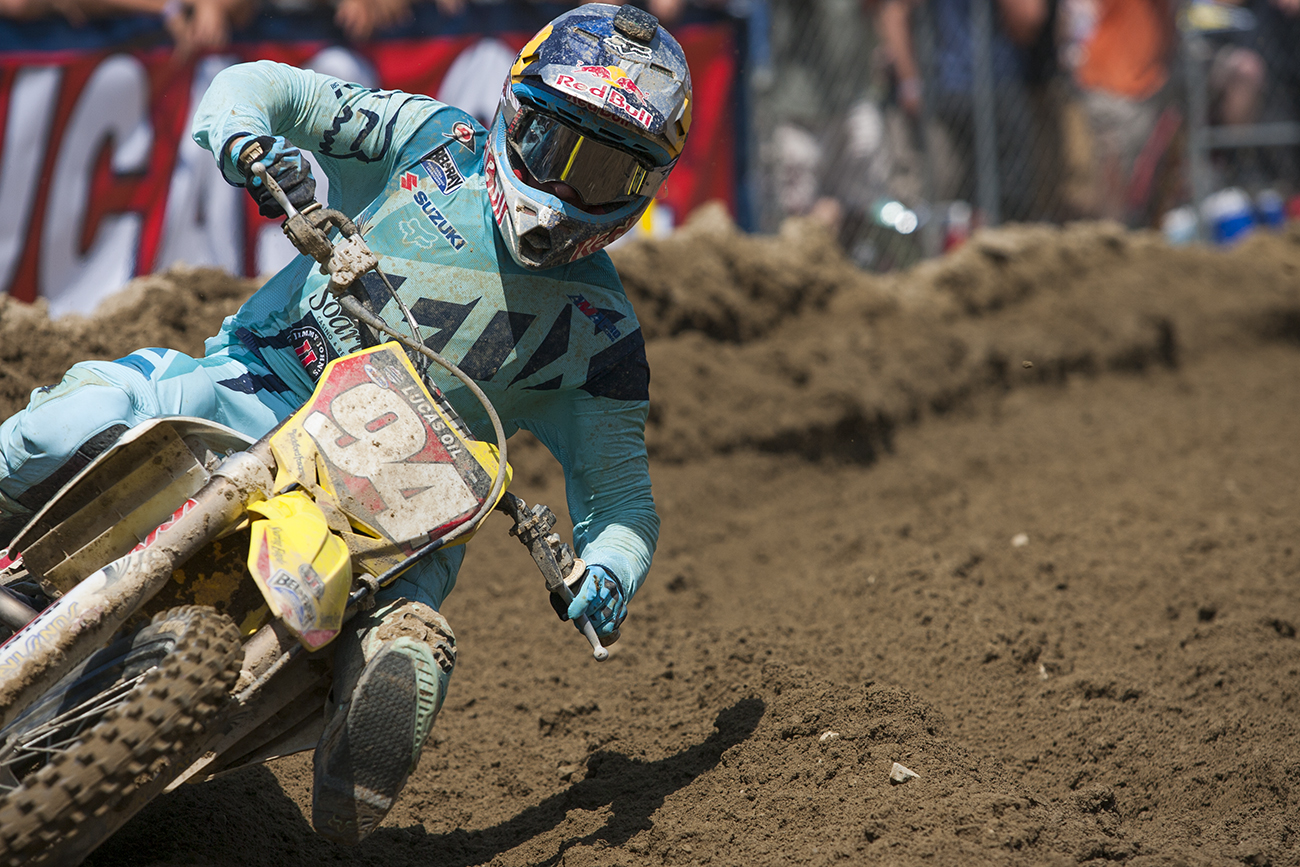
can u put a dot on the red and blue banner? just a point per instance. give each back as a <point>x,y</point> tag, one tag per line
<point>100,181</point>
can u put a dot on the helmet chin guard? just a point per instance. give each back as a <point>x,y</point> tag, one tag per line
<point>541,230</point>
<point>600,101</point>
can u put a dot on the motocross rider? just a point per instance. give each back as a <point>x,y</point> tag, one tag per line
<point>493,238</point>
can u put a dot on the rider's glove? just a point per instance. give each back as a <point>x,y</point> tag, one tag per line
<point>602,599</point>
<point>283,161</point>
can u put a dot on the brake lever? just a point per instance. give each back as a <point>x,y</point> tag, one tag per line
<point>554,559</point>
<point>584,624</point>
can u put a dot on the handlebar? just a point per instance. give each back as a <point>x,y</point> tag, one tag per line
<point>588,629</point>
<point>277,193</point>
<point>307,230</point>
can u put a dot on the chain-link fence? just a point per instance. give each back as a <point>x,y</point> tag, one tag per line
<point>1242,73</point>
<point>906,123</point>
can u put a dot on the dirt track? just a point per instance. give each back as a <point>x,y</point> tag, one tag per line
<point>1065,595</point>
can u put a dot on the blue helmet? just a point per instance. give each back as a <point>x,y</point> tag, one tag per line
<point>591,121</point>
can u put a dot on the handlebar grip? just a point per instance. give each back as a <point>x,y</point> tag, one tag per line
<point>598,650</point>
<point>585,626</point>
<point>281,199</point>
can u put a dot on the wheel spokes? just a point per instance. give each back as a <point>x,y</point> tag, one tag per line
<point>58,734</point>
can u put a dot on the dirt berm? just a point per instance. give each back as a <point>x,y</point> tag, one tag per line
<point>1022,519</point>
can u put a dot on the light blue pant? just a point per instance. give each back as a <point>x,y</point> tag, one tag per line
<point>66,425</point>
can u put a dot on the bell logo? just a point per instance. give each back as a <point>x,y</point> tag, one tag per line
<point>463,133</point>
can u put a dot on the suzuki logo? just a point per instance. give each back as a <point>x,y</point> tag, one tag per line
<point>410,181</point>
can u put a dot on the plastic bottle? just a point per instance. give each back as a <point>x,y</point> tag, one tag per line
<point>1179,226</point>
<point>1229,214</point>
<point>956,226</point>
<point>1270,209</point>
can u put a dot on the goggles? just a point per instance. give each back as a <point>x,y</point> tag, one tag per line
<point>601,175</point>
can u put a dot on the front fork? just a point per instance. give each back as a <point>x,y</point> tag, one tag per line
<point>85,617</point>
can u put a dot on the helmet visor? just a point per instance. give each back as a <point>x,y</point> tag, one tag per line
<point>601,175</point>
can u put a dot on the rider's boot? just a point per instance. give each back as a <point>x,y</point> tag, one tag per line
<point>390,678</point>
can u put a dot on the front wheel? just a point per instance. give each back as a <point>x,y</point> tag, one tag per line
<point>109,727</point>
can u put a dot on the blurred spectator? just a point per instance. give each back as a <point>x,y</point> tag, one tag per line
<point>195,25</point>
<point>829,151</point>
<point>667,11</point>
<point>1255,77</point>
<point>205,25</point>
<point>1020,45</point>
<point>1236,83</point>
<point>1235,92</point>
<point>1279,45</point>
<point>812,99</point>
<point>76,11</point>
<point>1121,55</point>
<point>199,25</point>
<point>359,19</point>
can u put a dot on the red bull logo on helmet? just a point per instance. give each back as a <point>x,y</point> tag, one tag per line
<point>615,94</point>
<point>615,76</point>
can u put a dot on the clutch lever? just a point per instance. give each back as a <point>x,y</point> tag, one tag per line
<point>308,231</point>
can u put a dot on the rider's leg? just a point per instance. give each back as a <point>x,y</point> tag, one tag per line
<point>391,671</point>
<point>66,425</point>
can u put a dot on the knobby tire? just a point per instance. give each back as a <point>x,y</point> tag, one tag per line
<point>61,812</point>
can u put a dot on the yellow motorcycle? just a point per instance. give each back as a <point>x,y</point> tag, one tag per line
<point>173,606</point>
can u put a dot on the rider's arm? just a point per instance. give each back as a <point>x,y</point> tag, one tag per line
<point>600,443</point>
<point>356,133</point>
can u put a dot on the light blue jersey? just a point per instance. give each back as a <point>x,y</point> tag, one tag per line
<point>559,352</point>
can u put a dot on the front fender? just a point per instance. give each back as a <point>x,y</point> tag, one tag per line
<point>301,567</point>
